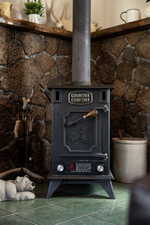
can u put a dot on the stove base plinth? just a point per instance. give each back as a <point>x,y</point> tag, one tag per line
<point>106,184</point>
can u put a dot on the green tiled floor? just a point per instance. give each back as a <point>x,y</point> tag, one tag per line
<point>95,209</point>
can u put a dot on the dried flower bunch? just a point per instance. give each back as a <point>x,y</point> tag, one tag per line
<point>34,7</point>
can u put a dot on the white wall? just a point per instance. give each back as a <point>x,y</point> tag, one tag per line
<point>104,12</point>
<point>118,6</point>
<point>108,12</point>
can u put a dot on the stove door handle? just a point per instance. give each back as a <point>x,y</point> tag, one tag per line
<point>103,156</point>
<point>105,108</point>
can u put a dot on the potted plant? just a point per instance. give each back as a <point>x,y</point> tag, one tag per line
<point>34,9</point>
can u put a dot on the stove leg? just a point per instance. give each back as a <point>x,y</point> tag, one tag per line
<point>107,186</point>
<point>53,185</point>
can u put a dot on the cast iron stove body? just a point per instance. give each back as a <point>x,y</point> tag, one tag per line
<point>80,144</point>
<point>81,117</point>
<point>81,137</point>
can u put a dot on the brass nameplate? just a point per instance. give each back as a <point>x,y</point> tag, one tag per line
<point>80,97</point>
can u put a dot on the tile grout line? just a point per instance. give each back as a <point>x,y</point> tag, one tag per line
<point>19,212</point>
<point>61,207</point>
<point>14,214</point>
<point>78,217</point>
<point>56,204</point>
<point>3,209</point>
<point>11,214</point>
<point>86,215</point>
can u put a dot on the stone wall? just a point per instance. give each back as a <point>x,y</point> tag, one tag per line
<point>124,62</point>
<point>28,59</point>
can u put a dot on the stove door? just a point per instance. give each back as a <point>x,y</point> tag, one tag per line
<point>80,134</point>
<point>81,144</point>
<point>74,134</point>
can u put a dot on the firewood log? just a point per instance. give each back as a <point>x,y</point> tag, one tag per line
<point>26,171</point>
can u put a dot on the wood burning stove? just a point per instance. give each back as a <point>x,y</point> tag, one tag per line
<point>80,118</point>
<point>81,137</point>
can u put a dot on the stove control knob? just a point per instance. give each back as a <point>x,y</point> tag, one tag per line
<point>100,168</point>
<point>60,168</point>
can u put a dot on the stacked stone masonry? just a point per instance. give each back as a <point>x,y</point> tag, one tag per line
<point>28,59</point>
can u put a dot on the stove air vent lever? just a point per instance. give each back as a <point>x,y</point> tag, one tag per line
<point>92,113</point>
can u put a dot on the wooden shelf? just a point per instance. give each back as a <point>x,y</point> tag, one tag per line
<point>44,29</point>
<point>33,27</point>
<point>123,28</point>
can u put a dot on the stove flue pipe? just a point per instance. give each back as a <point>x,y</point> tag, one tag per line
<point>81,66</point>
